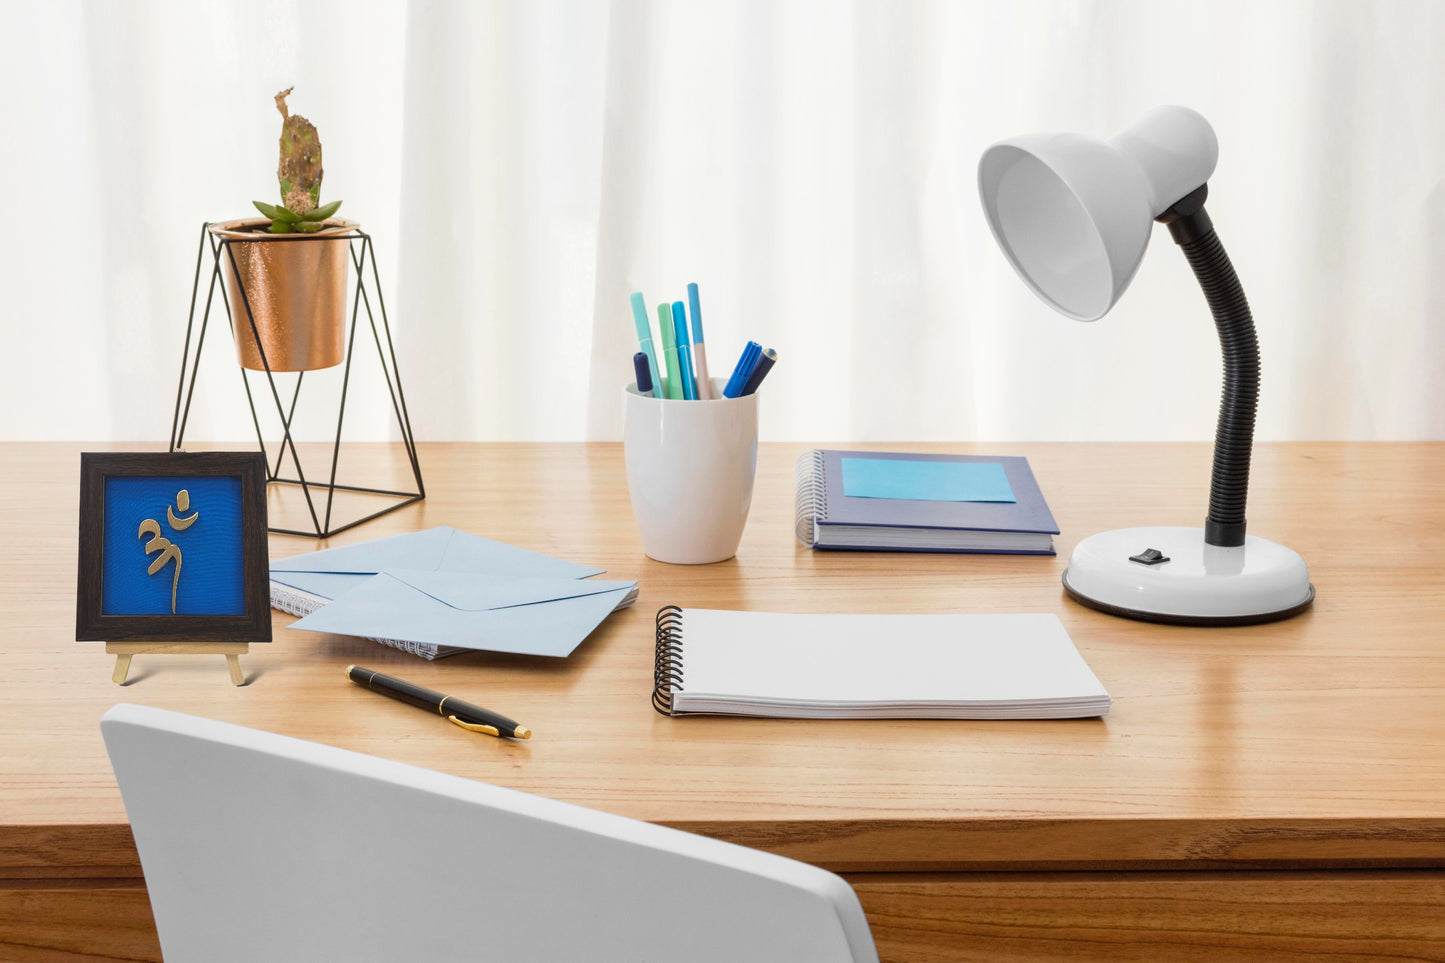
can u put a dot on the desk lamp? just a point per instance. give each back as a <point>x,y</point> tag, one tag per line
<point>1073,215</point>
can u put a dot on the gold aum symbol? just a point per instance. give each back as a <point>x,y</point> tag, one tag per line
<point>168,549</point>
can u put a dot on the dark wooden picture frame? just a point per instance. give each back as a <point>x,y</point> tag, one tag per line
<point>252,626</point>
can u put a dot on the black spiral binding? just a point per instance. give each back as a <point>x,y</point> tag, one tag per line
<point>667,666</point>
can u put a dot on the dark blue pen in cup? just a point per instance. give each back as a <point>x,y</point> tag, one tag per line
<point>644,373</point>
<point>764,364</point>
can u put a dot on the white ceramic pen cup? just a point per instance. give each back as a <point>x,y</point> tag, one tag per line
<point>690,467</point>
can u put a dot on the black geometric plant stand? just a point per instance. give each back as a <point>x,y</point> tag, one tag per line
<point>359,244</point>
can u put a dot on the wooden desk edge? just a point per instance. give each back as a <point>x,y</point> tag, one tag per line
<point>854,846</point>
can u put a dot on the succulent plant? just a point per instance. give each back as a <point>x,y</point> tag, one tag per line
<point>299,174</point>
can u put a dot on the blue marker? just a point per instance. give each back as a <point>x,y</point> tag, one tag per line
<point>699,350</point>
<point>684,352</point>
<point>644,335</point>
<point>644,376</point>
<point>743,370</point>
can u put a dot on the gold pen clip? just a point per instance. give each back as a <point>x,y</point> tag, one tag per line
<point>475,727</point>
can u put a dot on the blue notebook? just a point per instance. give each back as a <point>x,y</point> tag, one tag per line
<point>890,501</point>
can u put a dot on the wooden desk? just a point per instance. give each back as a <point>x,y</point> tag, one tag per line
<point>1274,791</point>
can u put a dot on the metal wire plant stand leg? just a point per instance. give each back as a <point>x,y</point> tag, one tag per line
<point>362,257</point>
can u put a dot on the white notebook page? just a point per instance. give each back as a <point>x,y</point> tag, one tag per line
<point>861,660</point>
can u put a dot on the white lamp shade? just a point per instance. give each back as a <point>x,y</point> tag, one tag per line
<point>1073,213</point>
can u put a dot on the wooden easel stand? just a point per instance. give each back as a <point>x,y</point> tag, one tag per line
<point>124,650</point>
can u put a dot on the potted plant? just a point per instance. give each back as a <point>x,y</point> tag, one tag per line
<point>295,289</point>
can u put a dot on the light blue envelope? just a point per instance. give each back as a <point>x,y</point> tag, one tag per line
<point>476,593</point>
<point>529,615</point>
<point>336,571</point>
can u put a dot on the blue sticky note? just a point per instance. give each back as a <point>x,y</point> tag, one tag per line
<point>929,481</point>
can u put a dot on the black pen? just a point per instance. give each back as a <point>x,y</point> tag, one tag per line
<point>469,717</point>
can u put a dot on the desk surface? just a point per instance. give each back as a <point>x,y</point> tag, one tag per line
<point>1312,742</point>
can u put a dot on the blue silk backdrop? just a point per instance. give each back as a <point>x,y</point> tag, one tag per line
<point>212,580</point>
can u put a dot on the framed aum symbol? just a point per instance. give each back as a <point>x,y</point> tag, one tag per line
<point>173,547</point>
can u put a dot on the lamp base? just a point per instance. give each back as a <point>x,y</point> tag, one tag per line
<point>1170,575</point>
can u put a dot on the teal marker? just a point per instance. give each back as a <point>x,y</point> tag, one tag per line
<point>684,351</point>
<point>669,351</point>
<point>699,350</point>
<point>644,336</point>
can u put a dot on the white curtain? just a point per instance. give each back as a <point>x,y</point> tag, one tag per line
<point>523,167</point>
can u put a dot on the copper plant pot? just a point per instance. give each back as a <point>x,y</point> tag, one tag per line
<point>296,291</point>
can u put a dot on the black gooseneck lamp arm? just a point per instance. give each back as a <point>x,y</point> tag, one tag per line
<point>1193,231</point>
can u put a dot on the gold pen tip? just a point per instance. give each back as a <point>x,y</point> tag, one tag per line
<point>348,670</point>
<point>522,732</point>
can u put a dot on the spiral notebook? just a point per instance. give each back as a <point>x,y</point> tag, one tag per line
<point>905,502</point>
<point>829,666</point>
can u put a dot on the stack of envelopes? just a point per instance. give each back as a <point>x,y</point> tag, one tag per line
<point>441,591</point>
